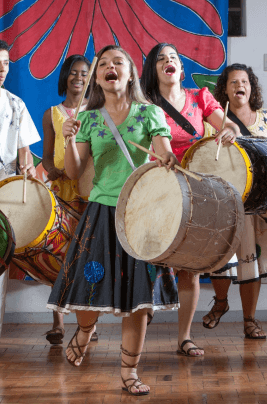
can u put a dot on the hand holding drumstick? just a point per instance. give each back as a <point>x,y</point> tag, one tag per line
<point>73,131</point>
<point>228,133</point>
<point>193,175</point>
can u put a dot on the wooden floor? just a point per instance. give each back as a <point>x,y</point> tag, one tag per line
<point>233,370</point>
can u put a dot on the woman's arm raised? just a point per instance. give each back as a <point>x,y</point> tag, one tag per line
<point>76,154</point>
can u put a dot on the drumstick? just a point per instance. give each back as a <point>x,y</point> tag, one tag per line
<point>83,93</point>
<point>25,178</point>
<point>223,123</point>
<point>196,177</point>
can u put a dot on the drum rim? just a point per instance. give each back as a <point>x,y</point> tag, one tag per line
<point>51,220</point>
<point>249,182</point>
<point>10,247</point>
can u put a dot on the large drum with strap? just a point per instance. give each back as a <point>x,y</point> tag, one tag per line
<point>43,227</point>
<point>243,164</point>
<point>7,242</point>
<point>171,219</point>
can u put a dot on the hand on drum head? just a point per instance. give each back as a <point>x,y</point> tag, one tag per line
<point>31,172</point>
<point>169,160</point>
<point>70,128</point>
<point>54,173</point>
<point>227,135</point>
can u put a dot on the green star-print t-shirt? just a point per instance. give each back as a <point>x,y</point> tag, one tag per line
<point>111,166</point>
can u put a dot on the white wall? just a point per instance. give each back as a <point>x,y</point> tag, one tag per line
<point>250,49</point>
<point>29,297</point>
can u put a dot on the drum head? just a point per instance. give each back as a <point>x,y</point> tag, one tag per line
<point>153,213</point>
<point>28,219</point>
<point>231,165</point>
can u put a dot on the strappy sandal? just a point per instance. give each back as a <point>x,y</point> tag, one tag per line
<point>182,351</point>
<point>257,326</point>
<point>55,337</point>
<point>216,309</point>
<point>78,346</point>
<point>124,381</point>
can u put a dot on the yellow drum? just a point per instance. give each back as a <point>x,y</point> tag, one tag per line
<point>234,164</point>
<point>42,226</point>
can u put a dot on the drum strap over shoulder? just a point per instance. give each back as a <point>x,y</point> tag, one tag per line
<point>117,136</point>
<point>177,117</point>
<point>244,130</point>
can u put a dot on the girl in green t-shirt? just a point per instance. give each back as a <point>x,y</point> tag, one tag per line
<point>98,276</point>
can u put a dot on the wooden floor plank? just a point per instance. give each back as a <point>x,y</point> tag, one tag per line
<point>232,371</point>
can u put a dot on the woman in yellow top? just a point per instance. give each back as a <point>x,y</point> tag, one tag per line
<point>72,78</point>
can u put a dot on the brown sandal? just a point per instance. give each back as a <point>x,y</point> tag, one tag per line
<point>182,351</point>
<point>216,309</point>
<point>124,381</point>
<point>55,337</point>
<point>256,326</point>
<point>70,345</point>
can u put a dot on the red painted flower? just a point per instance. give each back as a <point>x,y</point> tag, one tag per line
<point>136,26</point>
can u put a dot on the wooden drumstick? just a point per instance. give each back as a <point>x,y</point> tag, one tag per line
<point>223,123</point>
<point>196,177</point>
<point>83,93</point>
<point>25,178</point>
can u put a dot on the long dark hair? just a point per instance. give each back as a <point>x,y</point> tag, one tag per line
<point>4,45</point>
<point>96,94</point>
<point>65,72</point>
<point>255,100</point>
<point>149,78</point>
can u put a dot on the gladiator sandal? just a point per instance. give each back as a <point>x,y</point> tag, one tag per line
<point>256,327</point>
<point>135,381</point>
<point>87,330</point>
<point>216,313</point>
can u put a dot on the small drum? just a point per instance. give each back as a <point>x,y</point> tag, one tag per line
<point>43,227</point>
<point>173,220</point>
<point>243,164</point>
<point>7,242</point>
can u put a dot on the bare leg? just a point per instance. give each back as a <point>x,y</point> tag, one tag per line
<point>85,319</point>
<point>133,336</point>
<point>249,293</point>
<point>188,287</point>
<point>58,319</point>
<point>55,336</point>
<point>221,287</point>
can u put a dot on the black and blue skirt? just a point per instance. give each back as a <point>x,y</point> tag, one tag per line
<point>99,275</point>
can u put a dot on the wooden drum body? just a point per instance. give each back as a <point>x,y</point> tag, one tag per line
<point>7,242</point>
<point>43,227</point>
<point>170,219</point>
<point>243,164</point>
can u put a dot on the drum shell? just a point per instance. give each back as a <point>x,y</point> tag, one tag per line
<point>211,223</point>
<point>252,153</point>
<point>256,149</point>
<point>42,257</point>
<point>9,252</point>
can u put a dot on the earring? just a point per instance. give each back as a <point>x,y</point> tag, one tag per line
<point>182,76</point>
